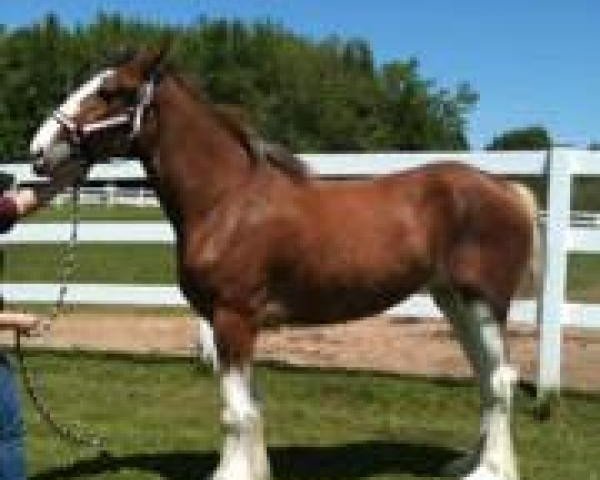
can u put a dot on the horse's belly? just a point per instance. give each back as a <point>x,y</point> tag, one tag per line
<point>341,301</point>
<point>352,271</point>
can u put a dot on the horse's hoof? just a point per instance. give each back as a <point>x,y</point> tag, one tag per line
<point>237,475</point>
<point>483,472</point>
<point>461,465</point>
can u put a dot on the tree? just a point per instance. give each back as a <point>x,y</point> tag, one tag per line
<point>528,138</point>
<point>418,116</point>
<point>594,146</point>
<point>327,95</point>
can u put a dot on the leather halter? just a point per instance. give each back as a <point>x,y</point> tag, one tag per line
<point>80,132</point>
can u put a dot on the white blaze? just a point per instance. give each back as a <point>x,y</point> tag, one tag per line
<point>49,130</point>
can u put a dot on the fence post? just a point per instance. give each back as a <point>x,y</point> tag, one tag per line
<point>111,191</point>
<point>551,303</point>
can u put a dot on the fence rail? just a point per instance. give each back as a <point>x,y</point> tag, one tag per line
<point>564,232</point>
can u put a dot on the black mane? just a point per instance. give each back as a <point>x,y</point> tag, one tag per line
<point>258,148</point>
<point>235,120</point>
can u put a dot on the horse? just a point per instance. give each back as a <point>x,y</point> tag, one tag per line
<point>260,239</point>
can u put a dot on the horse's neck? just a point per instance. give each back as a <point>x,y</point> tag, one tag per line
<point>192,161</point>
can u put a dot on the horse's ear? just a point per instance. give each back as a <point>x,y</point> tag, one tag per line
<point>150,61</point>
<point>164,48</point>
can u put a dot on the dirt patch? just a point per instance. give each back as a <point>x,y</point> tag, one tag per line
<point>386,344</point>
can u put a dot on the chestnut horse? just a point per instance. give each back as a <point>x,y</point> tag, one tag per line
<point>260,239</point>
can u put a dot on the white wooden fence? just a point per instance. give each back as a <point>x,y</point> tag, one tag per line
<point>111,194</point>
<point>558,167</point>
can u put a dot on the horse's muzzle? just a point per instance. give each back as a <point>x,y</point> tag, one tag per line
<point>39,166</point>
<point>46,162</point>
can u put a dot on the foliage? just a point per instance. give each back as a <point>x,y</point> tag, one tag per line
<point>594,146</point>
<point>528,138</point>
<point>310,95</point>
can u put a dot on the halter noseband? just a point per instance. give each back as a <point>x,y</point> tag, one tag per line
<point>79,133</point>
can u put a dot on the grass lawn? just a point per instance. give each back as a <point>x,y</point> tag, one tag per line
<point>97,212</point>
<point>584,278</point>
<point>146,263</point>
<point>154,264</point>
<point>160,418</point>
<point>96,263</point>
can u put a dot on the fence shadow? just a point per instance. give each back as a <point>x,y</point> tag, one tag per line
<point>351,461</point>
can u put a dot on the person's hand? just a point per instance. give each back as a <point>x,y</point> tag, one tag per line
<point>25,199</point>
<point>29,199</point>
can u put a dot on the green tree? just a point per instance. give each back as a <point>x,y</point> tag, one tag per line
<point>528,138</point>
<point>417,116</point>
<point>327,95</point>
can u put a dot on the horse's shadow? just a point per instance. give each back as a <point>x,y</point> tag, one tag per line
<point>351,461</point>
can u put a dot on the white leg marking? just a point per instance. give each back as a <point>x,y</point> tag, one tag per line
<point>207,349</point>
<point>484,336</point>
<point>244,455</point>
<point>482,340</point>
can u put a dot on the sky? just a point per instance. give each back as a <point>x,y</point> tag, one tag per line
<point>533,62</point>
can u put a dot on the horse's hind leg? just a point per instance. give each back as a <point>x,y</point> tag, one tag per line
<point>482,339</point>
<point>244,454</point>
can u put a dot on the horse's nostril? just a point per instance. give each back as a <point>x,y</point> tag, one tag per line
<point>38,166</point>
<point>36,155</point>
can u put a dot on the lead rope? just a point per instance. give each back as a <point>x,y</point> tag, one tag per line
<point>74,434</point>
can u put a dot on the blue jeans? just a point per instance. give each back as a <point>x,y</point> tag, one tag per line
<point>12,464</point>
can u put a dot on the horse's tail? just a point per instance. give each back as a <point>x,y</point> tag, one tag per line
<point>528,202</point>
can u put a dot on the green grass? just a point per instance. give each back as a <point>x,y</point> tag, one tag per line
<point>97,212</point>
<point>154,264</point>
<point>584,278</point>
<point>130,263</point>
<point>160,418</point>
<point>99,263</point>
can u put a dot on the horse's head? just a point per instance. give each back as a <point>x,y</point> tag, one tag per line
<point>98,120</point>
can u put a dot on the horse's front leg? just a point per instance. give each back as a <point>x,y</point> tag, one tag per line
<point>244,454</point>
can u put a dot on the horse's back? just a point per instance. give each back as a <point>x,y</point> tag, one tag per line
<point>384,238</point>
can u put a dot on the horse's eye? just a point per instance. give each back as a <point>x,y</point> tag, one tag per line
<point>130,97</point>
<point>106,95</point>
<point>126,96</point>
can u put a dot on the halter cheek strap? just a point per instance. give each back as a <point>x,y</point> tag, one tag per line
<point>146,94</point>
